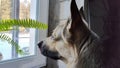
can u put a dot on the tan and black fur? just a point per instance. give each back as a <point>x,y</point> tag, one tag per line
<point>73,43</point>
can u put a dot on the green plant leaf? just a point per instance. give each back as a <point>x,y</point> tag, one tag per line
<point>9,40</point>
<point>7,24</point>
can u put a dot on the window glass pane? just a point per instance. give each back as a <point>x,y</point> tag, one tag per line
<point>24,36</point>
<point>5,13</point>
<point>5,9</point>
<point>6,48</point>
<point>25,9</point>
<point>24,33</point>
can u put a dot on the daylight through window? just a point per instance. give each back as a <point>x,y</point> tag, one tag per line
<point>17,9</point>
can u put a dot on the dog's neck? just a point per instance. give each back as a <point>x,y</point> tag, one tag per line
<point>75,60</point>
<point>72,62</point>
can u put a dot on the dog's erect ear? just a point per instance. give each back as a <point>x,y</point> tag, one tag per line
<point>78,27</point>
<point>76,17</point>
<point>82,13</point>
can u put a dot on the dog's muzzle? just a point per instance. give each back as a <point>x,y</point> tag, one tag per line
<point>46,52</point>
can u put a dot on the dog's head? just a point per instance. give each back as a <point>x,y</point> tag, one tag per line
<point>63,42</point>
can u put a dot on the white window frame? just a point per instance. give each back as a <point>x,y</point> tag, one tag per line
<point>41,8</point>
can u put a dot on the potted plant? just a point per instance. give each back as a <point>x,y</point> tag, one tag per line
<point>6,25</point>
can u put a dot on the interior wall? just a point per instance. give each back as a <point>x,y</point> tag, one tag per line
<point>98,10</point>
<point>105,21</point>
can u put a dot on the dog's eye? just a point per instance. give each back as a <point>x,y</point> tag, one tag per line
<point>52,37</point>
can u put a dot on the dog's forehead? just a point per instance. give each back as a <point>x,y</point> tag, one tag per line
<point>60,27</point>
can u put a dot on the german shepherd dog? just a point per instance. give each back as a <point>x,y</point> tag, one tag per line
<point>73,42</point>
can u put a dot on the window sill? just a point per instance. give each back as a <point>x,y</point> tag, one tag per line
<point>17,59</point>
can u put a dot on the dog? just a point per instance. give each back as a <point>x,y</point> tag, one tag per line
<point>73,42</point>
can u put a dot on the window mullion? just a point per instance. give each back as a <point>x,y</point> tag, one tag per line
<point>15,33</point>
<point>15,38</point>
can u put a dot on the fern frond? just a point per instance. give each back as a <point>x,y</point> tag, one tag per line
<point>6,24</point>
<point>9,40</point>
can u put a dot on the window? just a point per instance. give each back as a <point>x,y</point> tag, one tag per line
<point>25,37</point>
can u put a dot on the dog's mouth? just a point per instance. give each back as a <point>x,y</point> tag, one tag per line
<point>53,55</point>
<point>46,52</point>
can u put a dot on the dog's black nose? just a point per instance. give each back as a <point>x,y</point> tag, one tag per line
<point>40,44</point>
